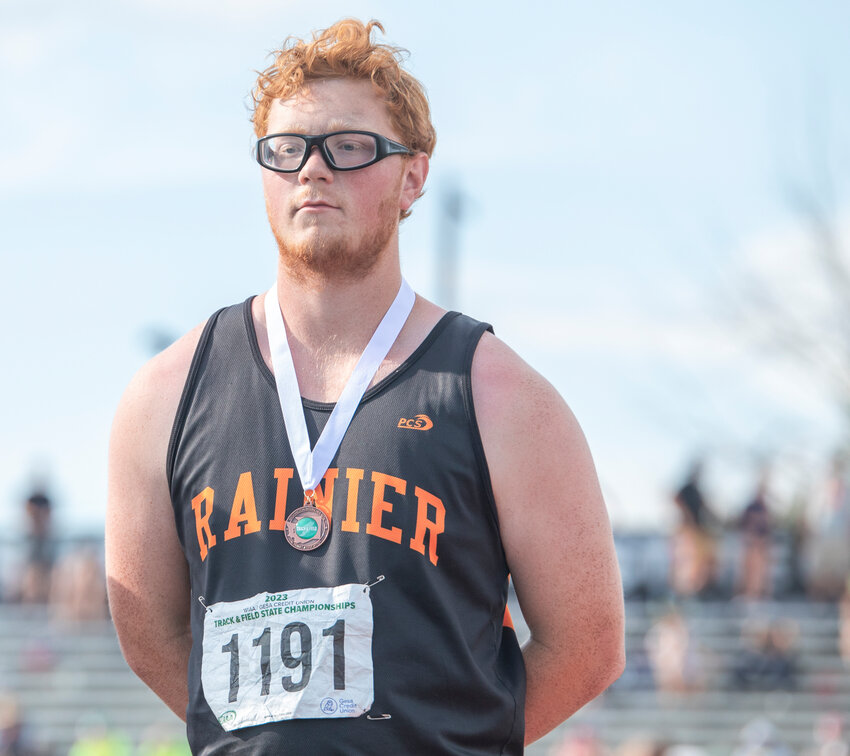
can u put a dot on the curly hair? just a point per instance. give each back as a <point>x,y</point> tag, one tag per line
<point>346,50</point>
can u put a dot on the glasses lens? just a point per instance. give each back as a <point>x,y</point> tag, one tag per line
<point>283,153</point>
<point>351,150</point>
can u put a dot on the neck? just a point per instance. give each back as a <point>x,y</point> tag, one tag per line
<point>332,316</point>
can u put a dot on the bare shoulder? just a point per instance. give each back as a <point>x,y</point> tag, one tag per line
<point>509,394</point>
<point>149,403</point>
<point>532,440</point>
<point>165,373</point>
<point>497,369</point>
<point>141,429</point>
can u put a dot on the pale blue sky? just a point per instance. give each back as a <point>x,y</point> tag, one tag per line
<point>622,162</point>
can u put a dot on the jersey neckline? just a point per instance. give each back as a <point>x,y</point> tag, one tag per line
<point>417,353</point>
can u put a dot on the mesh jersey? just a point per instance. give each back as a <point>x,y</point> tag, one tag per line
<point>411,500</point>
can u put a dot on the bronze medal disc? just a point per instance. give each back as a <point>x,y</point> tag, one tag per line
<point>307,528</point>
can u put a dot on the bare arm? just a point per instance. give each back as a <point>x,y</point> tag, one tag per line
<point>556,535</point>
<point>147,574</point>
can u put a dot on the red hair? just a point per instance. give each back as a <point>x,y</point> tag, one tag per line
<point>346,50</point>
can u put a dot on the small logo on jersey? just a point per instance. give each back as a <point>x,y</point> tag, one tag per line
<point>227,717</point>
<point>328,706</point>
<point>420,422</point>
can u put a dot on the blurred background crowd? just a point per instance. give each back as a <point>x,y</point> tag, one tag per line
<point>738,637</point>
<point>739,628</point>
<point>59,660</point>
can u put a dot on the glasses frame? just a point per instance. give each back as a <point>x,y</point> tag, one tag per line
<point>383,148</point>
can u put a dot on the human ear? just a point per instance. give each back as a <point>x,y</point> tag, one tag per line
<point>413,181</point>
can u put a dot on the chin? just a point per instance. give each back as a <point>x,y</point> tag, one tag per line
<point>324,254</point>
<point>329,256</point>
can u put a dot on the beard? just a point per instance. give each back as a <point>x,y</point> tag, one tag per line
<point>330,253</point>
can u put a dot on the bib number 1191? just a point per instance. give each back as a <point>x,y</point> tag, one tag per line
<point>299,654</point>
<point>296,650</point>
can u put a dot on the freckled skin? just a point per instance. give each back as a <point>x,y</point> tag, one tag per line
<point>564,568</point>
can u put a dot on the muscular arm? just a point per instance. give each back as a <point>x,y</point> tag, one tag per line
<point>146,572</point>
<point>556,536</point>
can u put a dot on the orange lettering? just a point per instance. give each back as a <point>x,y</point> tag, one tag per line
<point>206,540</point>
<point>244,509</point>
<point>283,475</point>
<point>379,506</point>
<point>423,524</point>
<point>350,524</point>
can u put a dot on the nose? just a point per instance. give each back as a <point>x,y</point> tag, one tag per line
<point>316,168</point>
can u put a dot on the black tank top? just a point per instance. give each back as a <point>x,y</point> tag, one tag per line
<point>411,500</point>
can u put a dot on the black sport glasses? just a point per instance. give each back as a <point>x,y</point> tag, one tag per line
<point>342,150</point>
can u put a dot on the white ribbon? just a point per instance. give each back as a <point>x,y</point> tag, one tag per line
<point>312,465</point>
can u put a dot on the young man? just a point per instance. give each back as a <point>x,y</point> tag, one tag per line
<point>316,497</point>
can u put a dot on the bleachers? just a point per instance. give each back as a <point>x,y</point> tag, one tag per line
<point>72,676</point>
<point>714,716</point>
<point>69,678</point>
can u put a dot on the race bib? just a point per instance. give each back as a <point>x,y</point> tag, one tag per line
<point>301,654</point>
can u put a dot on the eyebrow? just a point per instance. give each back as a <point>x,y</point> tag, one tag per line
<point>341,126</point>
<point>336,125</point>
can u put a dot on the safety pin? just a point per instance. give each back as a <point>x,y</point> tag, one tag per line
<point>203,604</point>
<point>374,582</point>
<point>379,717</point>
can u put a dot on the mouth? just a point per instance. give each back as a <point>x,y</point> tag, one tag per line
<point>315,205</point>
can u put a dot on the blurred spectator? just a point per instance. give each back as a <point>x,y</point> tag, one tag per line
<point>34,584</point>
<point>829,736</point>
<point>756,529</point>
<point>693,563</point>
<point>798,532</point>
<point>828,557</point>
<point>768,659</point>
<point>676,666</point>
<point>13,736</point>
<point>78,591</point>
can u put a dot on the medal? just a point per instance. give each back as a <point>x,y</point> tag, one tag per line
<point>308,527</point>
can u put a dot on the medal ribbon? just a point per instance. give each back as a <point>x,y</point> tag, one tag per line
<point>312,465</point>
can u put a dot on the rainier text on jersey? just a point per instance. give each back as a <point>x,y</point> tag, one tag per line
<point>430,512</point>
